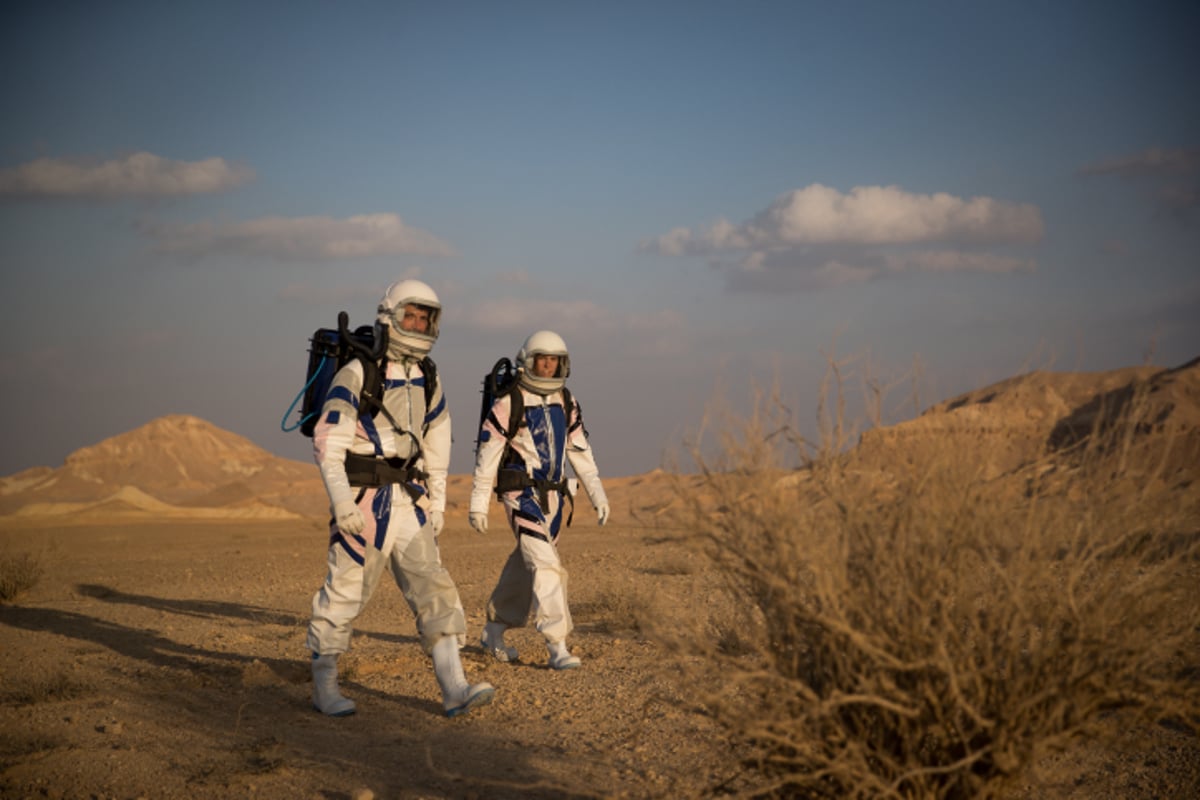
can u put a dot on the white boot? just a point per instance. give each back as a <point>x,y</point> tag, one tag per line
<point>560,657</point>
<point>326,697</point>
<point>458,697</point>
<point>493,642</point>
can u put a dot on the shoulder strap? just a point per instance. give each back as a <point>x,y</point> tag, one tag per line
<point>516,411</point>
<point>371,396</point>
<point>517,408</point>
<point>430,370</point>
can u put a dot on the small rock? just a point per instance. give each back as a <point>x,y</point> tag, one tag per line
<point>362,794</point>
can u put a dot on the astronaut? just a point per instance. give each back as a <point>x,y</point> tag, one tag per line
<point>385,474</point>
<point>527,474</point>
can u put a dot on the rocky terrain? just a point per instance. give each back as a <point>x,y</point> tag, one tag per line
<point>161,651</point>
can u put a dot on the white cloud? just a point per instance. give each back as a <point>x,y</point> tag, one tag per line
<point>301,238</point>
<point>137,175</point>
<point>672,243</point>
<point>818,214</point>
<point>817,237</point>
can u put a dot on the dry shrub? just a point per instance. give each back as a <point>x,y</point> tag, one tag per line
<point>49,688</point>
<point>921,632</point>
<point>615,611</point>
<point>14,745</point>
<point>19,572</point>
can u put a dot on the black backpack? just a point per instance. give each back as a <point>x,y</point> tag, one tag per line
<point>330,350</point>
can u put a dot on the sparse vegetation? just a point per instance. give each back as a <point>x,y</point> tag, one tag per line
<point>19,572</point>
<point>913,630</point>
<point>17,745</point>
<point>35,689</point>
<point>616,611</point>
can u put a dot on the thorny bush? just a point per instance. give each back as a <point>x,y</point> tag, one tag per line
<point>917,631</point>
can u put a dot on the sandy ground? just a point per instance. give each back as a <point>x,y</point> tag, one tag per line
<point>168,661</point>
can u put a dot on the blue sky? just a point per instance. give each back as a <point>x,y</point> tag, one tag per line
<point>697,196</point>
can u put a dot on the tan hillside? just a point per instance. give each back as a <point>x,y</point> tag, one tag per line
<point>184,463</point>
<point>1031,420</point>
<point>176,457</point>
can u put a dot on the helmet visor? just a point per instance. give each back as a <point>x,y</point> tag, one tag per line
<point>416,319</point>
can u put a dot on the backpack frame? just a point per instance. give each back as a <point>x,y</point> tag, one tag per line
<point>330,350</point>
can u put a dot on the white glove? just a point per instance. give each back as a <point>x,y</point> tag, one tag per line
<point>438,520</point>
<point>602,513</point>
<point>348,518</point>
<point>479,521</point>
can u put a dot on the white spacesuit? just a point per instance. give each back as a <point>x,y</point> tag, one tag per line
<point>527,473</point>
<point>385,474</point>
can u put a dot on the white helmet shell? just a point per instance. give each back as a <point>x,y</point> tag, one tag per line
<point>546,343</point>
<point>391,313</point>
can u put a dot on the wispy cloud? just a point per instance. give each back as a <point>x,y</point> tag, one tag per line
<point>1152,161</point>
<point>138,175</point>
<point>326,296</point>
<point>518,276</point>
<point>958,261</point>
<point>1173,175</point>
<point>514,314</point>
<point>817,237</point>
<point>343,295</point>
<point>659,333</point>
<point>299,238</point>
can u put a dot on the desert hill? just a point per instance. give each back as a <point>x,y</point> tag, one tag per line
<point>182,467</point>
<point>176,466</point>
<point>1037,421</point>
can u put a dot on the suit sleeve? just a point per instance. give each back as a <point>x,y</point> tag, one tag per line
<point>437,441</point>
<point>491,450</point>
<point>581,457</point>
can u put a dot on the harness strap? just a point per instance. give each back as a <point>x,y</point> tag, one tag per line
<point>511,480</point>
<point>369,471</point>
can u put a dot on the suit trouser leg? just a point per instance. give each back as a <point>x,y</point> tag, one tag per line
<point>347,588</point>
<point>511,599</point>
<point>427,586</point>
<point>551,615</point>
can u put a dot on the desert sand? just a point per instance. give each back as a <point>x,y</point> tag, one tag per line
<point>161,653</point>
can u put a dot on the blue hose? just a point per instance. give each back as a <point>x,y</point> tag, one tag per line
<point>283,422</point>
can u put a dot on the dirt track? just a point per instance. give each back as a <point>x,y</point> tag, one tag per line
<point>170,662</point>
